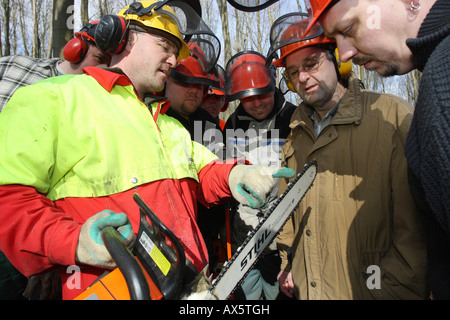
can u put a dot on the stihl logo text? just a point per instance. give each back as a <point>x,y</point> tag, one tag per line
<point>254,251</point>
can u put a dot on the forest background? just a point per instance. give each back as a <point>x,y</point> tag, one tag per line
<point>41,28</point>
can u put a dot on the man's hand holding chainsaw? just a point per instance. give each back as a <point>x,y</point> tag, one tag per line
<point>251,184</point>
<point>91,249</point>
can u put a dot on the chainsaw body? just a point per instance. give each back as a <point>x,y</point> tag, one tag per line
<point>155,270</point>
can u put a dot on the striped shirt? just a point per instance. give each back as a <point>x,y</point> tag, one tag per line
<point>17,71</point>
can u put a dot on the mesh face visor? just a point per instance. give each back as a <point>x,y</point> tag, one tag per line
<point>247,75</point>
<point>251,5</point>
<point>194,29</point>
<point>287,35</point>
<point>193,69</point>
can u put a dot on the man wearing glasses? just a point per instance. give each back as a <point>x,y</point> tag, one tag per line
<point>356,234</point>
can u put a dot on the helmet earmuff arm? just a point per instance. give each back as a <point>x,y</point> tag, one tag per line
<point>138,9</point>
<point>288,82</point>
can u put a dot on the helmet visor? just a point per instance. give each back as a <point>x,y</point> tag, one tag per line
<point>219,77</point>
<point>251,5</point>
<point>193,28</point>
<point>288,29</point>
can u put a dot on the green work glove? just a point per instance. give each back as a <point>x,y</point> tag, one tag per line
<point>91,249</point>
<point>251,184</point>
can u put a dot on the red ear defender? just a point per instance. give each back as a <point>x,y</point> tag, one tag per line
<point>75,50</point>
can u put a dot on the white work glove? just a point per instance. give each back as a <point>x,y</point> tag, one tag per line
<point>91,249</point>
<point>251,184</point>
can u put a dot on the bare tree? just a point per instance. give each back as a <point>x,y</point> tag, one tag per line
<point>104,7</point>
<point>62,25</point>
<point>36,44</point>
<point>6,27</point>
<point>222,4</point>
<point>1,42</point>
<point>84,12</point>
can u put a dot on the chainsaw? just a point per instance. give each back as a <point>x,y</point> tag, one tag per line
<point>158,269</point>
<point>235,270</point>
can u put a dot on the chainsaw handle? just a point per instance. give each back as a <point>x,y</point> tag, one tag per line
<point>127,264</point>
<point>171,283</point>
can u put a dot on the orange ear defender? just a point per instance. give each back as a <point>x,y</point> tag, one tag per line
<point>288,81</point>
<point>345,68</point>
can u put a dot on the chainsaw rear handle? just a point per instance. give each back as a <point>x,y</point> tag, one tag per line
<point>171,282</point>
<point>127,264</point>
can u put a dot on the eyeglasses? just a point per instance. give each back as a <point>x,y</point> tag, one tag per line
<point>166,46</point>
<point>310,66</point>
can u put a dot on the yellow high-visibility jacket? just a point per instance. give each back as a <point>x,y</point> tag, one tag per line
<point>74,145</point>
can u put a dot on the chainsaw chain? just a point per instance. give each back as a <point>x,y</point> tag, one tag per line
<point>228,264</point>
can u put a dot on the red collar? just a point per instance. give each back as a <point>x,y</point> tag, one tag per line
<point>108,78</point>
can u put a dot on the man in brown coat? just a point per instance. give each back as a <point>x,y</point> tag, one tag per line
<point>356,234</point>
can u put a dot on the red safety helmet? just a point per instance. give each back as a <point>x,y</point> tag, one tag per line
<point>288,35</point>
<point>247,75</point>
<point>315,9</point>
<point>193,69</point>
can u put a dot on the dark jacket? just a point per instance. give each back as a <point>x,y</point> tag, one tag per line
<point>277,124</point>
<point>200,116</point>
<point>428,144</point>
<point>209,220</point>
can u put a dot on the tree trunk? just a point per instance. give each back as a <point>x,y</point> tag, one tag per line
<point>35,48</point>
<point>222,4</point>
<point>62,25</point>
<point>84,12</point>
<point>6,18</point>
